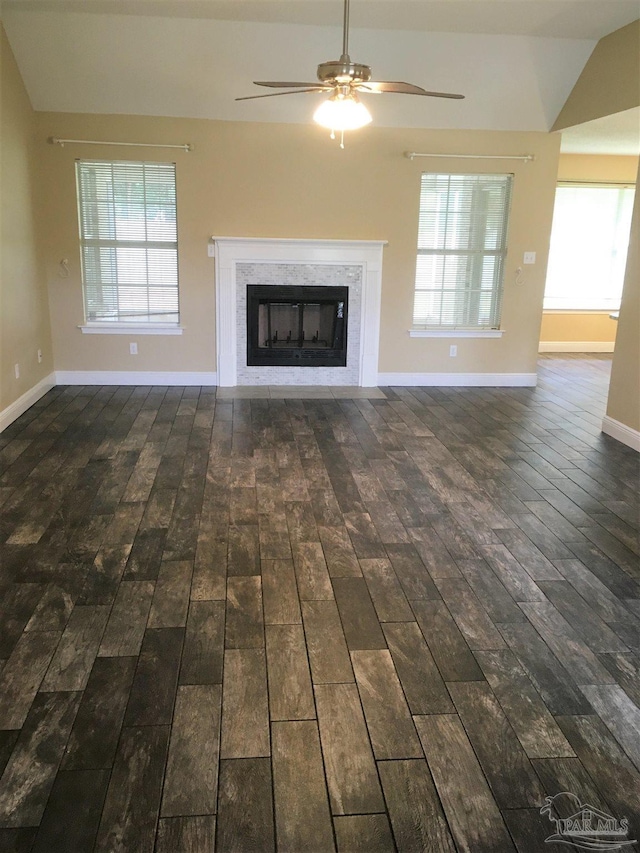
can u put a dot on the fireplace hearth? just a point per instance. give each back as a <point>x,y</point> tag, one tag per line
<point>293,326</point>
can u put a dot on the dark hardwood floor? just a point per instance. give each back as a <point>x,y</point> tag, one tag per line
<point>309,624</point>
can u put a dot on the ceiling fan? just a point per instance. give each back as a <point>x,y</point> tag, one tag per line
<point>344,79</point>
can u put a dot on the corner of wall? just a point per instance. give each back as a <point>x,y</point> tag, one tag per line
<point>14,410</point>
<point>26,358</point>
<point>623,404</point>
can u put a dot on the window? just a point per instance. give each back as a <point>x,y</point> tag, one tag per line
<point>128,241</point>
<point>588,252</point>
<point>462,234</point>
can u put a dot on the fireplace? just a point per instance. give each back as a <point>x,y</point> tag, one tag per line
<point>292,326</point>
<point>310,265</point>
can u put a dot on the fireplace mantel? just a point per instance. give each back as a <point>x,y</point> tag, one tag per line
<point>230,252</point>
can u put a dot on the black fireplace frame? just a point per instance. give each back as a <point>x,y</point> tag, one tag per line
<point>298,356</point>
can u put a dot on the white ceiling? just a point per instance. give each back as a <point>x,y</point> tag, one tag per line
<point>516,61</point>
<point>588,19</point>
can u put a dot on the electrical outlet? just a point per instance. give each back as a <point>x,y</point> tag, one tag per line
<point>16,370</point>
<point>453,350</point>
<point>39,356</point>
<point>133,349</point>
<point>529,258</point>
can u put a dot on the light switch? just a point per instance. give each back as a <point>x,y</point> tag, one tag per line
<point>211,250</point>
<point>529,257</point>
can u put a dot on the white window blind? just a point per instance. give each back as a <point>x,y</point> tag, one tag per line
<point>462,234</point>
<point>128,240</point>
<point>588,252</point>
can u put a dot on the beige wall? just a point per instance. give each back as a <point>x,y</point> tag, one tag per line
<point>609,84</point>
<point>578,327</point>
<point>624,391</point>
<point>269,180</point>
<point>597,167</point>
<point>587,326</point>
<point>24,313</point>
<point>610,81</point>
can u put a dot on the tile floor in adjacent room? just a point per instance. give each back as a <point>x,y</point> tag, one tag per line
<point>352,622</point>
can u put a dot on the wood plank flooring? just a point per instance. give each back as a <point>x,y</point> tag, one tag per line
<point>317,622</point>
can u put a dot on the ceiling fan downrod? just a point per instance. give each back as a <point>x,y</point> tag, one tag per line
<point>345,32</point>
<point>343,72</point>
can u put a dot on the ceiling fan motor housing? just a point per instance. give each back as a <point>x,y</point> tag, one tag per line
<point>343,71</point>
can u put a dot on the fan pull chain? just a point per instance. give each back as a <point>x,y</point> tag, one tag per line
<point>332,135</point>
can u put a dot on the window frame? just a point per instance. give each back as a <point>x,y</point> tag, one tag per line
<point>492,328</point>
<point>138,324</point>
<point>606,305</point>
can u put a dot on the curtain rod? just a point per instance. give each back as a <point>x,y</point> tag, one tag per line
<point>527,158</point>
<point>627,184</point>
<point>62,142</point>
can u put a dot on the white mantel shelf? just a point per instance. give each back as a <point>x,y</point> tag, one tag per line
<point>300,240</point>
<point>231,251</point>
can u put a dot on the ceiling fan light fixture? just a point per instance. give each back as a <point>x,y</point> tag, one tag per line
<point>342,112</point>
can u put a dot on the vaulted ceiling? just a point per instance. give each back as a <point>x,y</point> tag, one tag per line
<point>516,61</point>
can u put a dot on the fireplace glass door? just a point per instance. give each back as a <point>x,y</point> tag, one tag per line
<point>297,326</point>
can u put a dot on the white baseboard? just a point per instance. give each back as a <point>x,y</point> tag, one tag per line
<point>141,377</point>
<point>474,380</point>
<point>621,432</point>
<point>20,406</point>
<point>576,346</point>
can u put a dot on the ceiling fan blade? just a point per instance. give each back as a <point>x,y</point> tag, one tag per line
<point>401,89</point>
<point>290,92</point>
<point>286,85</point>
